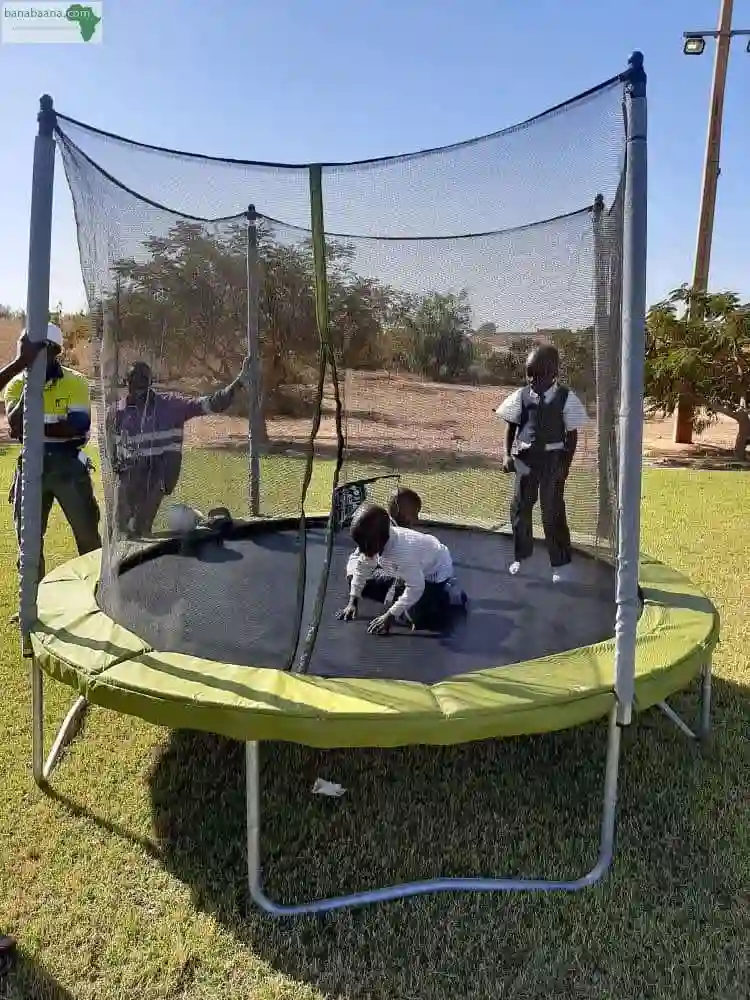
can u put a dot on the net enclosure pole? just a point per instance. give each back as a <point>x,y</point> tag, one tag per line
<point>631,390</point>
<point>255,426</point>
<point>603,371</point>
<point>327,365</point>
<point>37,317</point>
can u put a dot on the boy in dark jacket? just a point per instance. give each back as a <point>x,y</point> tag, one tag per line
<point>543,419</point>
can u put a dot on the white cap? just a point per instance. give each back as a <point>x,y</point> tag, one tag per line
<point>54,335</point>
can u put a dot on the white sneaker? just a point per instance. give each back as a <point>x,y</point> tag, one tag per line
<point>514,568</point>
<point>560,574</point>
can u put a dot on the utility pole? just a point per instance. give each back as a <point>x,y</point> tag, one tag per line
<point>695,43</point>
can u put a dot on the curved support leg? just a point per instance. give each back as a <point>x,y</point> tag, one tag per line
<point>67,733</point>
<point>428,886</point>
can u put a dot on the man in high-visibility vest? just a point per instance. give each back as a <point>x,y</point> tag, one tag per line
<point>144,434</point>
<point>66,475</point>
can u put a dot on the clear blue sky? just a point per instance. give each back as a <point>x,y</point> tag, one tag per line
<point>297,80</point>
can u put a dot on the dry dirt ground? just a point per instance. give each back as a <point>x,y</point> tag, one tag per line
<point>404,414</point>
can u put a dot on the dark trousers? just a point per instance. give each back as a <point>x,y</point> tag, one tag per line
<point>139,492</point>
<point>65,479</point>
<point>433,611</point>
<point>545,481</point>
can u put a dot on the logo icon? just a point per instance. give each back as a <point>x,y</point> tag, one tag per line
<point>50,22</point>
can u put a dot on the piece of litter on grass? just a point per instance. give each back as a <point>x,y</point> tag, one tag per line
<point>329,788</point>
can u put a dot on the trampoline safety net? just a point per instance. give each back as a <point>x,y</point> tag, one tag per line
<point>387,308</point>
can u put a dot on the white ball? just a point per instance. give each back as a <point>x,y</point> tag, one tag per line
<point>181,518</point>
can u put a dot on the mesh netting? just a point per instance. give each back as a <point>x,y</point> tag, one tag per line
<point>382,342</point>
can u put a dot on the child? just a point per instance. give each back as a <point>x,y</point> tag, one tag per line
<point>405,507</point>
<point>543,419</point>
<point>421,562</point>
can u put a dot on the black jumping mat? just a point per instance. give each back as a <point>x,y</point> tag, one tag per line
<point>238,600</point>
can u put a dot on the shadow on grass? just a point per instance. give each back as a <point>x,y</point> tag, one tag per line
<point>407,459</point>
<point>527,806</point>
<point>28,980</point>
<point>369,416</point>
<point>701,458</point>
<point>109,826</point>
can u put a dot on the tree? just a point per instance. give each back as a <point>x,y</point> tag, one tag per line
<point>439,326</point>
<point>363,312</point>
<point>701,340</point>
<point>185,306</point>
<point>577,359</point>
<point>180,303</point>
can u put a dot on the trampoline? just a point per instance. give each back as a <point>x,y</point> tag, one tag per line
<point>232,629</point>
<point>362,690</point>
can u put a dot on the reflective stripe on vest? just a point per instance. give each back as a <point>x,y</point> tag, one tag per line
<point>149,443</point>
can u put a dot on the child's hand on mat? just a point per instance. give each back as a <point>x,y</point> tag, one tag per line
<point>349,613</point>
<point>380,625</point>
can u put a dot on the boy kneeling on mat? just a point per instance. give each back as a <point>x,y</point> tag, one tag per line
<point>405,506</point>
<point>404,509</point>
<point>418,563</point>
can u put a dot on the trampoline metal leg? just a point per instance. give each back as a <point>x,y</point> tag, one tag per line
<point>37,721</point>
<point>704,724</point>
<point>429,886</point>
<point>42,769</point>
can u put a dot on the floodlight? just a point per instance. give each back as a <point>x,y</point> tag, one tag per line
<point>694,45</point>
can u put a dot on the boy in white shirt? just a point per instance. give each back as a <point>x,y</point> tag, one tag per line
<point>543,419</point>
<point>419,562</point>
<point>404,508</point>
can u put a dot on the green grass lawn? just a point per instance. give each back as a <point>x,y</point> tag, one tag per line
<point>129,880</point>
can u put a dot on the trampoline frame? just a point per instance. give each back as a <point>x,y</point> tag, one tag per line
<point>43,768</point>
<point>627,600</point>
